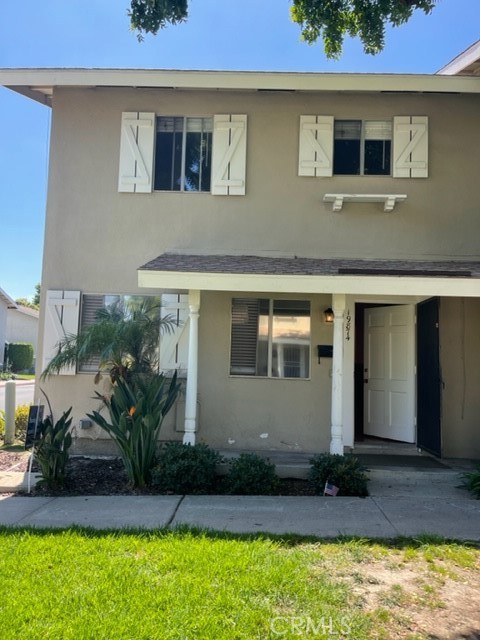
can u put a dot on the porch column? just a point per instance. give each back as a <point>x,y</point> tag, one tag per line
<point>192,369</point>
<point>336,442</point>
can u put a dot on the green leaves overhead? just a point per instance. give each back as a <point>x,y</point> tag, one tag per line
<point>149,16</point>
<point>330,20</point>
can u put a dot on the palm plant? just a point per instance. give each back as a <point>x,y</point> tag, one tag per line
<point>124,339</point>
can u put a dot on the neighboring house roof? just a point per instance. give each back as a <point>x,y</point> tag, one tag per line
<point>466,63</point>
<point>39,84</point>
<point>5,298</point>
<point>28,311</point>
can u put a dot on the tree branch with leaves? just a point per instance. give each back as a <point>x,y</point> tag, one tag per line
<point>330,20</point>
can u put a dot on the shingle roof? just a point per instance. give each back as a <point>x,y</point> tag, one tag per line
<point>241,264</point>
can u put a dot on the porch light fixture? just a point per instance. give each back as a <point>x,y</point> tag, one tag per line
<point>328,315</point>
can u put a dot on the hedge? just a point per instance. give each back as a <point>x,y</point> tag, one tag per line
<point>20,356</point>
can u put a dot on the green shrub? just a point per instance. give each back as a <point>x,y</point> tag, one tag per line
<point>21,419</point>
<point>184,468</point>
<point>251,474</point>
<point>20,355</point>
<point>471,481</point>
<point>51,449</point>
<point>136,412</point>
<point>345,472</point>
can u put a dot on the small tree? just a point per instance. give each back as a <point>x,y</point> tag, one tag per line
<point>125,339</point>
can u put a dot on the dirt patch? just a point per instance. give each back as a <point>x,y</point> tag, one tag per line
<point>14,461</point>
<point>420,600</point>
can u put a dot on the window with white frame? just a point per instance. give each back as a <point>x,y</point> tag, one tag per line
<point>183,154</point>
<point>270,338</point>
<point>362,147</point>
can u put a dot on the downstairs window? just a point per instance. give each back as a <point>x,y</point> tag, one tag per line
<point>270,338</point>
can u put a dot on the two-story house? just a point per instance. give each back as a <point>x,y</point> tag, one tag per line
<point>316,235</point>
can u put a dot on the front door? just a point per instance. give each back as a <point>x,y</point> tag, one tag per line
<point>389,373</point>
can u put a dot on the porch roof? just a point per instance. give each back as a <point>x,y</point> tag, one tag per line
<point>311,275</point>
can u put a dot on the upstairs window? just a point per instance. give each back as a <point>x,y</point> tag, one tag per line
<point>362,147</point>
<point>183,154</point>
<point>270,338</point>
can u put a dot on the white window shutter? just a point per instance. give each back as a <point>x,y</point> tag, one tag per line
<point>410,147</point>
<point>61,320</point>
<point>174,342</point>
<point>229,155</point>
<point>136,152</point>
<point>315,154</point>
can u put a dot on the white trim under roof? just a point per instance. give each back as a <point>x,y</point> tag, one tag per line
<point>469,57</point>
<point>281,283</point>
<point>39,84</point>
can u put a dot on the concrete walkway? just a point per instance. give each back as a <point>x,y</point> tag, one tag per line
<point>373,517</point>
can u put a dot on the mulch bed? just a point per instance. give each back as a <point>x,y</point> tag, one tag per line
<point>106,477</point>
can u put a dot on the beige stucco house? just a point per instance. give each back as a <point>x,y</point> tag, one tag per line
<point>253,203</point>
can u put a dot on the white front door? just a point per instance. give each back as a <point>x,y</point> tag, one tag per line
<point>389,373</point>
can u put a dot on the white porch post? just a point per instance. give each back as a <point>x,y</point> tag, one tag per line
<point>192,370</point>
<point>336,442</point>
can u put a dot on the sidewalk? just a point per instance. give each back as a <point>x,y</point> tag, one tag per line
<point>373,517</point>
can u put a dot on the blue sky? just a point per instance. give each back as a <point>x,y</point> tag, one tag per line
<point>228,34</point>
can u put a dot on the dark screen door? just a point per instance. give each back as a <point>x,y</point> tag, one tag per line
<point>428,377</point>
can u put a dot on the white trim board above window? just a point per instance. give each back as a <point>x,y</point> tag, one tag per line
<point>180,153</point>
<point>397,147</point>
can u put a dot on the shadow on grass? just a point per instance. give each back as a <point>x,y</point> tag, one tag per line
<point>285,540</point>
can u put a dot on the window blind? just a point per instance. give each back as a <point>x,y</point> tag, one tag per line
<point>243,355</point>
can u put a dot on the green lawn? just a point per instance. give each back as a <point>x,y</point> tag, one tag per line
<point>77,584</point>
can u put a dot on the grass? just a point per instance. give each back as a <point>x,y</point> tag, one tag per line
<point>188,584</point>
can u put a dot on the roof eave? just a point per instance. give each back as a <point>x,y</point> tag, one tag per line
<point>39,84</point>
<point>309,284</point>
